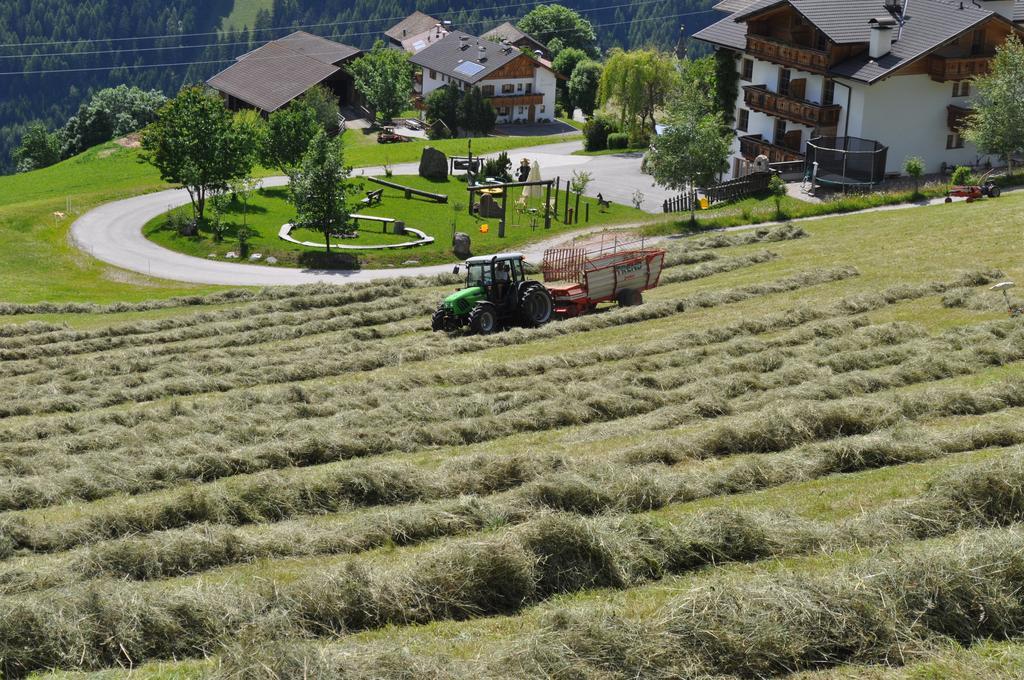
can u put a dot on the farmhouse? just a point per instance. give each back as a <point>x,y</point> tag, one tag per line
<point>519,87</point>
<point>873,81</point>
<point>508,33</point>
<point>416,32</point>
<point>271,76</point>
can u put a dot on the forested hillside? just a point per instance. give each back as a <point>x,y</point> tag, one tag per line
<point>54,53</point>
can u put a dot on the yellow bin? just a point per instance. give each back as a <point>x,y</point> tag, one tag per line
<point>704,205</point>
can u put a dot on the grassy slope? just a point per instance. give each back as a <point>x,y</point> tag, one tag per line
<point>243,14</point>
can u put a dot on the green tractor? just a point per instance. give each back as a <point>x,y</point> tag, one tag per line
<point>497,295</point>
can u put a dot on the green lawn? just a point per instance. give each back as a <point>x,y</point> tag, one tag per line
<point>269,209</point>
<point>243,14</point>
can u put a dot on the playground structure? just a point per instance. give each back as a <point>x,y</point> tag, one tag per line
<point>410,192</point>
<point>498,191</point>
<point>845,162</point>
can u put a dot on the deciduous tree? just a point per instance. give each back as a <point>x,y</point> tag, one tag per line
<point>289,133</point>
<point>195,143</point>
<point>39,148</point>
<point>583,84</point>
<point>997,124</point>
<point>384,77</point>
<point>638,83</point>
<point>557,22</point>
<point>319,191</point>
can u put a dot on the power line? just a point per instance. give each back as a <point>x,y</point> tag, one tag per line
<point>224,61</point>
<point>275,28</point>
<point>130,50</point>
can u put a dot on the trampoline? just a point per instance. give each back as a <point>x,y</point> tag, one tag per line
<point>847,161</point>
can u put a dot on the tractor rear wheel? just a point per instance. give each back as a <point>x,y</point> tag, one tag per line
<point>994,191</point>
<point>536,307</point>
<point>630,297</point>
<point>437,321</point>
<point>483,319</point>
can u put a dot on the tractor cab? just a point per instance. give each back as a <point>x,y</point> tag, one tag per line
<point>497,275</point>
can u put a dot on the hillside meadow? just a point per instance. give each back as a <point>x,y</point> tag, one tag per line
<point>802,455</point>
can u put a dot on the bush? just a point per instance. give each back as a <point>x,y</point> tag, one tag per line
<point>961,175</point>
<point>596,131</point>
<point>499,167</point>
<point>618,140</point>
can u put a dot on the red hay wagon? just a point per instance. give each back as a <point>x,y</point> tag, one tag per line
<point>581,279</point>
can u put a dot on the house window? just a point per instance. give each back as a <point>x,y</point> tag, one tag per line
<point>743,120</point>
<point>487,90</point>
<point>520,87</point>
<point>542,108</point>
<point>978,42</point>
<point>508,88</point>
<point>502,111</point>
<point>962,88</point>
<point>433,74</point>
<point>529,88</point>
<point>828,94</point>
<point>822,43</point>
<point>784,76</point>
<point>748,70</point>
<point>954,141</point>
<point>780,132</point>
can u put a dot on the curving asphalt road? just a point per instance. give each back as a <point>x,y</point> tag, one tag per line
<point>113,232</point>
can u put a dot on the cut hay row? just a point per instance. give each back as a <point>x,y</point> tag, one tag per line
<point>448,418</point>
<point>107,623</point>
<point>432,418</point>
<point>195,378</point>
<point>539,482</point>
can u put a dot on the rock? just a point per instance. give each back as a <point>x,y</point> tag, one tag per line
<point>433,164</point>
<point>408,262</point>
<point>398,227</point>
<point>212,256</point>
<point>231,255</point>
<point>461,245</point>
<point>271,260</point>
<point>256,256</point>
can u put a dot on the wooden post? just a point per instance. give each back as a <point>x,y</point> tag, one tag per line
<point>588,213</point>
<point>558,182</point>
<point>576,215</point>
<point>566,220</point>
<point>547,206</point>
<point>504,213</point>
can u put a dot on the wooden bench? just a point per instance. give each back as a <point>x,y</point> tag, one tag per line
<point>373,197</point>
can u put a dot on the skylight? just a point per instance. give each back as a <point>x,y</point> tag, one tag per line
<point>468,68</point>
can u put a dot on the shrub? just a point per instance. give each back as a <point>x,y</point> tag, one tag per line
<point>618,140</point>
<point>596,131</point>
<point>961,175</point>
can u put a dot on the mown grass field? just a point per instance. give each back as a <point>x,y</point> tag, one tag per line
<point>800,456</point>
<point>268,209</point>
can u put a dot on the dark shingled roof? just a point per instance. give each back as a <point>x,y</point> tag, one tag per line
<point>447,55</point>
<point>508,31</point>
<point>315,47</point>
<point>414,24</point>
<point>930,24</point>
<point>1018,11</point>
<point>271,76</point>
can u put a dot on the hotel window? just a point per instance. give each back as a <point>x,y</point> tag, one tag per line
<point>962,88</point>
<point>529,88</point>
<point>954,141</point>
<point>780,132</point>
<point>784,75</point>
<point>508,88</point>
<point>748,70</point>
<point>743,120</point>
<point>487,90</point>
<point>828,94</point>
<point>520,87</point>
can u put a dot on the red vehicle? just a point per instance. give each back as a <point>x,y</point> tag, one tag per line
<point>973,192</point>
<point>389,136</point>
<point>579,280</point>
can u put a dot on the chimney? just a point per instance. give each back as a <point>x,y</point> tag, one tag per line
<point>880,43</point>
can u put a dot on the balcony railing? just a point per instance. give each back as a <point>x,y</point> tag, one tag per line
<point>515,99</point>
<point>957,68</point>
<point>759,98</point>
<point>752,146</point>
<point>956,117</point>
<point>803,58</point>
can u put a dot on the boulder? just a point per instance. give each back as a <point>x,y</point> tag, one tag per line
<point>461,245</point>
<point>433,164</point>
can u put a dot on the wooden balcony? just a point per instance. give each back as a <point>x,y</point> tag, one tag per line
<point>775,51</point>
<point>942,69</point>
<point>752,146</point>
<point>956,117</point>
<point>515,99</point>
<point>759,98</point>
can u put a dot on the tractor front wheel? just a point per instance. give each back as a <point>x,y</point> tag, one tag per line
<point>484,318</point>
<point>437,321</point>
<point>994,191</point>
<point>536,307</point>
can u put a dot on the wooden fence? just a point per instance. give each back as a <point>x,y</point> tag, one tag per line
<point>732,190</point>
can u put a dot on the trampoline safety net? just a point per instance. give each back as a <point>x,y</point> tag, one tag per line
<point>847,161</point>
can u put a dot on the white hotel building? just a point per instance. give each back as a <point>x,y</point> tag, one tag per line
<point>877,73</point>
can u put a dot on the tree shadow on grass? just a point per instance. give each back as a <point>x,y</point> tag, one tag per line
<point>334,260</point>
